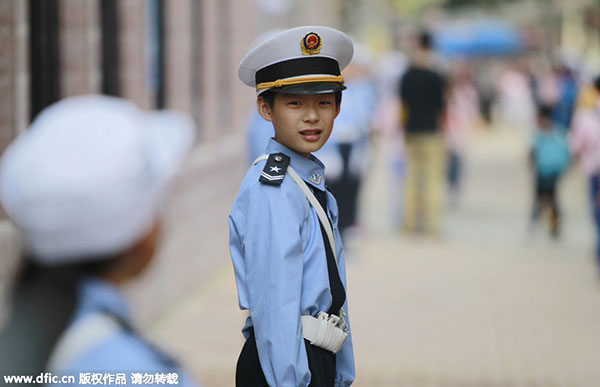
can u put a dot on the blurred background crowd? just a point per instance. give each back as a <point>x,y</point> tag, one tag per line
<point>520,80</point>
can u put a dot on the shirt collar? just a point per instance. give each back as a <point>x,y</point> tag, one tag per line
<point>97,295</point>
<point>311,170</point>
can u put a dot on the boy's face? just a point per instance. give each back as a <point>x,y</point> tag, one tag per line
<point>302,122</point>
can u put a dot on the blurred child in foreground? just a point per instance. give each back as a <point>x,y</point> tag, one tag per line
<point>84,186</point>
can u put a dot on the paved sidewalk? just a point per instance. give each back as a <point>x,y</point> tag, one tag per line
<point>485,304</point>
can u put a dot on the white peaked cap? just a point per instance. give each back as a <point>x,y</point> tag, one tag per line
<point>86,179</point>
<point>301,60</point>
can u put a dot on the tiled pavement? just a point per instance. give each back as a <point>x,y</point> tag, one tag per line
<point>484,304</point>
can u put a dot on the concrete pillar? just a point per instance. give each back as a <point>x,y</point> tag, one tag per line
<point>80,47</point>
<point>178,55</point>
<point>14,108</point>
<point>132,50</point>
<point>14,103</point>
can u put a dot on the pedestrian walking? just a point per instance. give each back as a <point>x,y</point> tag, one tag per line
<point>422,92</point>
<point>284,240</point>
<point>83,187</point>
<point>347,152</point>
<point>562,113</point>
<point>549,157</point>
<point>584,139</point>
<point>462,113</point>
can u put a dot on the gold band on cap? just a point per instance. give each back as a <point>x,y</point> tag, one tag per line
<point>298,81</point>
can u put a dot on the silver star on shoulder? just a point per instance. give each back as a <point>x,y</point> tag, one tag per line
<point>275,169</point>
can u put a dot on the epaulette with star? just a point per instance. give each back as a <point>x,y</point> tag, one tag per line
<point>275,169</point>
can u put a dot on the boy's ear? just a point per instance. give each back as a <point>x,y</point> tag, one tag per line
<point>337,109</point>
<point>264,109</point>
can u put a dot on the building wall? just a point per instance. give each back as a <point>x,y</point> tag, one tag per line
<point>14,104</point>
<point>131,52</point>
<point>178,56</point>
<point>80,47</point>
<point>14,108</point>
<point>196,213</point>
<point>196,216</point>
<point>7,35</point>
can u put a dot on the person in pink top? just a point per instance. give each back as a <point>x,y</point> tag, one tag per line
<point>585,146</point>
<point>462,113</point>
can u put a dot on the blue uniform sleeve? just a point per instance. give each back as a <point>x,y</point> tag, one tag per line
<point>268,222</point>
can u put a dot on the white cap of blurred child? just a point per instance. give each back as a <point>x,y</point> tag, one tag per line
<point>86,180</point>
<point>301,60</point>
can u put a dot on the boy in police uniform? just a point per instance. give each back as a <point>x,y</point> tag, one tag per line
<point>285,246</point>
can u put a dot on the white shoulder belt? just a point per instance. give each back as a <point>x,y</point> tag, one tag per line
<point>313,201</point>
<point>324,331</point>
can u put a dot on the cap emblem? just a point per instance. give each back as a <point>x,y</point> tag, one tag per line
<point>311,44</point>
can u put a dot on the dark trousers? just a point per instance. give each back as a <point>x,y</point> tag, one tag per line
<point>546,197</point>
<point>454,169</point>
<point>249,373</point>
<point>345,190</point>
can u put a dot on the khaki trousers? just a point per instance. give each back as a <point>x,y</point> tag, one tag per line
<point>424,182</point>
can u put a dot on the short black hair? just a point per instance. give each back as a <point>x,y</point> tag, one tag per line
<point>425,40</point>
<point>269,97</point>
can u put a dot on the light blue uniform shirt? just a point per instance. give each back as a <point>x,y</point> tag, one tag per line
<point>122,351</point>
<point>280,268</point>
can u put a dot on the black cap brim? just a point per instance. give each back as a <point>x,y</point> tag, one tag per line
<point>310,88</point>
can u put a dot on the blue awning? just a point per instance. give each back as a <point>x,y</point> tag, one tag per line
<point>475,38</point>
